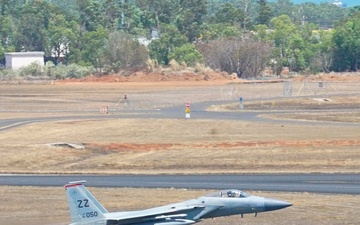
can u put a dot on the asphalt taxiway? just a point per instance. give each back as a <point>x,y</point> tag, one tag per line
<point>313,183</point>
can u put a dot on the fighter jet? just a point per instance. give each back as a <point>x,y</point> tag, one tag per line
<point>86,210</point>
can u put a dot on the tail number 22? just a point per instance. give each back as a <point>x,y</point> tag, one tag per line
<point>83,203</point>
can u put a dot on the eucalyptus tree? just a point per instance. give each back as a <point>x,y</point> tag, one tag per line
<point>228,14</point>
<point>283,7</point>
<point>32,21</point>
<point>187,54</point>
<point>170,38</point>
<point>113,16</point>
<point>289,44</point>
<point>63,36</point>
<point>132,20</point>
<point>68,7</point>
<point>91,14</point>
<point>190,17</point>
<point>7,6</point>
<point>158,11</point>
<point>265,12</point>
<point>250,11</point>
<point>323,52</point>
<point>7,32</point>
<point>93,47</point>
<point>124,52</point>
<point>246,57</point>
<point>324,14</point>
<point>214,31</point>
<point>346,39</point>
<point>2,51</point>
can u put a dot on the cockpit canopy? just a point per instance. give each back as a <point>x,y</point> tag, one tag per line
<point>233,193</point>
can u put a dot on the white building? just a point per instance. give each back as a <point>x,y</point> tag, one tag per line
<point>16,60</point>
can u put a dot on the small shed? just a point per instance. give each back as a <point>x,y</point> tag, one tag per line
<point>16,60</point>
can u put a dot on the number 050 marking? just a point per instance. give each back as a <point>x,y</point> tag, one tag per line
<point>90,214</point>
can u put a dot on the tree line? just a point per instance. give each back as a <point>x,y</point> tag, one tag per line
<point>237,36</point>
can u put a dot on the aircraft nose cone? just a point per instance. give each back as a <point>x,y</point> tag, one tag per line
<point>273,204</point>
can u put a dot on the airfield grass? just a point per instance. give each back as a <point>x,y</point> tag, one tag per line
<point>179,146</point>
<point>342,108</point>
<point>48,206</point>
<point>172,146</point>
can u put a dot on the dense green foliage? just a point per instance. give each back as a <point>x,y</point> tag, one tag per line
<point>103,34</point>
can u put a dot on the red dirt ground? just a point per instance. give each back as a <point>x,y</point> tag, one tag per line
<point>153,77</point>
<point>208,76</point>
<point>220,145</point>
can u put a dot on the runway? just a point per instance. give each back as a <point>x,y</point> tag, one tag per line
<point>312,183</point>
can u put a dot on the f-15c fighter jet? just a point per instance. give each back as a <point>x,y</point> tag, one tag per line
<point>86,210</point>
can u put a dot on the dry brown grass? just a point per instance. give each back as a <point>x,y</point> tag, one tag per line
<point>347,117</point>
<point>178,146</point>
<point>48,206</point>
<point>312,109</point>
<point>350,102</point>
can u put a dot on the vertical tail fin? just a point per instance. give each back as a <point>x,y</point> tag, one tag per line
<point>82,204</point>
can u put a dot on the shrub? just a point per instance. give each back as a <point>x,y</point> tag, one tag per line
<point>187,54</point>
<point>59,71</point>
<point>175,66</point>
<point>7,75</point>
<point>152,65</point>
<point>75,71</point>
<point>72,71</point>
<point>33,70</point>
<point>124,52</point>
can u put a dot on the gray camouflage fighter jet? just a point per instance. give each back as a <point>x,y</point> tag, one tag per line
<point>86,210</point>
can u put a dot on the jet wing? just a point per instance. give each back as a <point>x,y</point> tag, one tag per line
<point>208,209</point>
<point>145,217</point>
